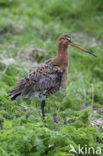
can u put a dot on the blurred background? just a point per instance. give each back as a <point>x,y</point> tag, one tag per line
<point>29,30</point>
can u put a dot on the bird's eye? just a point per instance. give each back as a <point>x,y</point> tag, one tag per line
<point>68,39</point>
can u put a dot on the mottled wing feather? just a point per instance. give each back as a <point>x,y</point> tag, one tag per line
<point>45,77</point>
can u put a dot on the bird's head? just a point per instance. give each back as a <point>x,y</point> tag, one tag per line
<point>65,41</point>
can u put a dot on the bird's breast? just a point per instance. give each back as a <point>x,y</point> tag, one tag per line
<point>64,77</point>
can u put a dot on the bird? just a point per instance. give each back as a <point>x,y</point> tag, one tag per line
<point>49,77</point>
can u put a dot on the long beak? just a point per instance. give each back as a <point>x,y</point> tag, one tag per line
<point>75,45</point>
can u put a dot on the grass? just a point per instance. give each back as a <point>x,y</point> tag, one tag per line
<point>28,36</point>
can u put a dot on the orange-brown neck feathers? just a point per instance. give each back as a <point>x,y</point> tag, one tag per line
<point>62,54</point>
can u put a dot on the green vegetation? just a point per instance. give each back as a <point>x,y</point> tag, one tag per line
<point>28,36</point>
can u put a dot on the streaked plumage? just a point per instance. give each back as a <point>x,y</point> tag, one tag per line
<point>48,78</point>
<point>42,82</point>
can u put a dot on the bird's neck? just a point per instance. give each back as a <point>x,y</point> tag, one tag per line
<point>62,56</point>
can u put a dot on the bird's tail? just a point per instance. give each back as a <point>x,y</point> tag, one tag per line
<point>17,92</point>
<point>14,94</point>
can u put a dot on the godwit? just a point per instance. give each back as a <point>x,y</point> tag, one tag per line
<point>49,77</point>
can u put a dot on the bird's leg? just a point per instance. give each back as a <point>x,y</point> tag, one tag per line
<point>42,108</point>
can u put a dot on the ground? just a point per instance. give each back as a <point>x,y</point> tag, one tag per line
<point>28,36</point>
